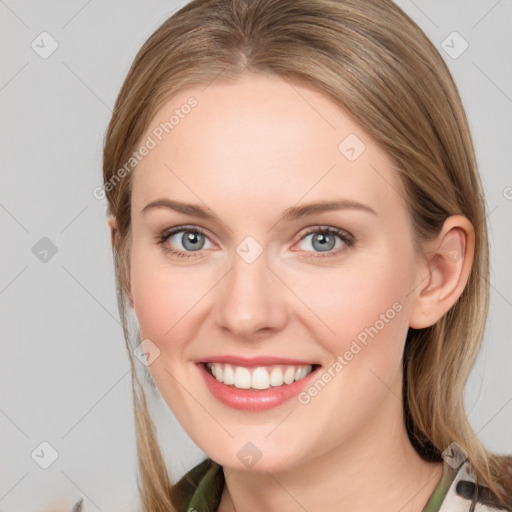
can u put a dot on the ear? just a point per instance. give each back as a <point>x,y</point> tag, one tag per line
<point>114,233</point>
<point>448,261</point>
<point>111,221</point>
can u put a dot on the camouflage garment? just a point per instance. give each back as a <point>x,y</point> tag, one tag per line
<point>200,490</point>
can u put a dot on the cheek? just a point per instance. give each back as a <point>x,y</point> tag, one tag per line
<point>164,304</point>
<point>360,302</point>
<point>365,309</point>
<point>366,306</point>
<point>161,294</point>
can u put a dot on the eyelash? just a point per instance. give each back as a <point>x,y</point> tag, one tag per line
<point>345,237</point>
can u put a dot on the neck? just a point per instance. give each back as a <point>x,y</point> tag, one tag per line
<point>377,469</point>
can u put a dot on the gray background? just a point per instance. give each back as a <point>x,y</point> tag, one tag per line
<point>64,369</point>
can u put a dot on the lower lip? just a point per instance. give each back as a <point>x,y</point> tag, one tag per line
<point>247,400</point>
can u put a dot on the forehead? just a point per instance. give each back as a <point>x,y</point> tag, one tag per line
<point>260,138</point>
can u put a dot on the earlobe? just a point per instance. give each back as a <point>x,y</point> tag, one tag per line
<point>449,259</point>
<point>111,221</point>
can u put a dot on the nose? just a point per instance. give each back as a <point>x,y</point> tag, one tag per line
<point>251,300</point>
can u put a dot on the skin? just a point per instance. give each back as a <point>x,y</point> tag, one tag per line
<point>249,150</point>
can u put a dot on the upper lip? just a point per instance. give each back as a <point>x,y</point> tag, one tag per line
<point>254,361</point>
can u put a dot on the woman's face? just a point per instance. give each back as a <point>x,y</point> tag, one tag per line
<point>256,282</point>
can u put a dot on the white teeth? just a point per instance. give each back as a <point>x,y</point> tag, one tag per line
<point>217,372</point>
<point>229,375</point>
<point>300,373</point>
<point>242,377</point>
<point>289,375</point>
<point>260,377</point>
<point>276,377</point>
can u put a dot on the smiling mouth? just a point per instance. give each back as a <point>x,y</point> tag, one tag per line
<point>258,378</point>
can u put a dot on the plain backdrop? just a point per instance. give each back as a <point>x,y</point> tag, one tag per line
<point>64,369</point>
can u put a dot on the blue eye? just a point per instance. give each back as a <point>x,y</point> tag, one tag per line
<point>193,240</point>
<point>323,239</point>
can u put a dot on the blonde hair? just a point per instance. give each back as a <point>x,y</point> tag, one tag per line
<point>370,58</point>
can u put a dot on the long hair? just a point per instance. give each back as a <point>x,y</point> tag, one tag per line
<point>374,61</point>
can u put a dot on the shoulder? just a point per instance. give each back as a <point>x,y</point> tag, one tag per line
<point>464,491</point>
<point>200,488</point>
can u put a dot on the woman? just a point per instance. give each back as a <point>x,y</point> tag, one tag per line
<point>251,140</point>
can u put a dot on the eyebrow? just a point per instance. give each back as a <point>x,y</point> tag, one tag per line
<point>290,214</point>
